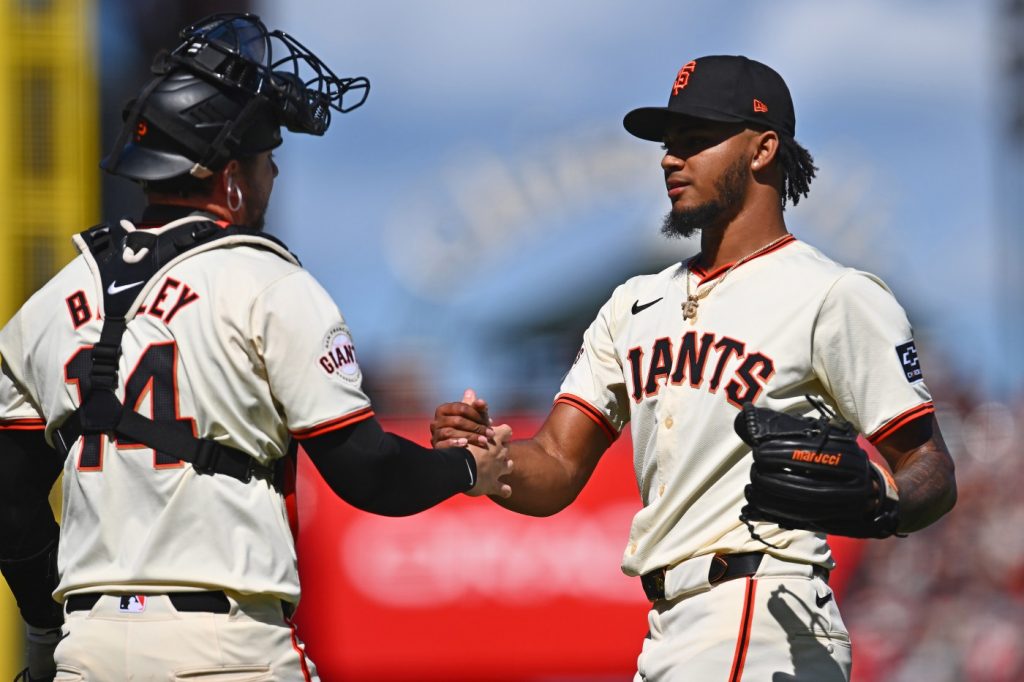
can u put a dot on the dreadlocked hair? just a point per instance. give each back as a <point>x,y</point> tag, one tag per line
<point>798,169</point>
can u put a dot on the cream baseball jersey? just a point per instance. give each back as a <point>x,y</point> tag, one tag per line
<point>783,325</point>
<point>238,343</point>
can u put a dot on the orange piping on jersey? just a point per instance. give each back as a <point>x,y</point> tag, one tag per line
<point>743,639</point>
<point>22,425</point>
<point>335,424</point>
<point>301,651</point>
<point>899,421</point>
<point>591,413</point>
<point>706,276</point>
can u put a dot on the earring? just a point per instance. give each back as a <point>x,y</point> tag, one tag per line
<point>234,196</point>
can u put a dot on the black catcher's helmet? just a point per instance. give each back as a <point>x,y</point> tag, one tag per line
<point>224,93</point>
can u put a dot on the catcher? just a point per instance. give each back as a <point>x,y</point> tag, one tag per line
<point>173,364</point>
<point>711,360</point>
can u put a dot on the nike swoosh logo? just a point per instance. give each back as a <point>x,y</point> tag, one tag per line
<point>640,308</point>
<point>114,289</point>
<point>821,601</point>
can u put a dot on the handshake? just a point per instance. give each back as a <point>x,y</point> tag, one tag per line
<point>467,424</point>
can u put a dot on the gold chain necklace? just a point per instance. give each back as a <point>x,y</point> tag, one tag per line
<point>693,300</point>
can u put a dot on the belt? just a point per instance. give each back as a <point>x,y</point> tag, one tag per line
<point>723,567</point>
<point>206,602</point>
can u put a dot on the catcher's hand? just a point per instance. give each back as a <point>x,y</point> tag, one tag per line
<point>811,474</point>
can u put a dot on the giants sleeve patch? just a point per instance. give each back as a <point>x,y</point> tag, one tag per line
<point>339,358</point>
<point>907,354</point>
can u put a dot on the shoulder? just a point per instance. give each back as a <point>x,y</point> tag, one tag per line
<point>836,284</point>
<point>810,261</point>
<point>242,268</point>
<point>858,290</point>
<point>803,273</point>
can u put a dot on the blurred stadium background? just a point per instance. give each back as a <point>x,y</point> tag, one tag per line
<point>474,215</point>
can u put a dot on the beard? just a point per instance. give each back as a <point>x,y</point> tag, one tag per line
<point>731,189</point>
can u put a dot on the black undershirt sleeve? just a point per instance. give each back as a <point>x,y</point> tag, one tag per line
<point>386,474</point>
<point>28,530</point>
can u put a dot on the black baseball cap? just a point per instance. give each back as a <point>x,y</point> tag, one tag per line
<point>720,88</point>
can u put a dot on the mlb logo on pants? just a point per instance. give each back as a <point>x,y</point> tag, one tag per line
<point>133,603</point>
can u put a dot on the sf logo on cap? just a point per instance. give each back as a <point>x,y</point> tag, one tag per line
<point>683,77</point>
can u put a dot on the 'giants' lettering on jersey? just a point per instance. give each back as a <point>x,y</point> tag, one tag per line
<point>701,362</point>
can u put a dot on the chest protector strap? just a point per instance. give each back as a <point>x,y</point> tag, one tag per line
<point>128,263</point>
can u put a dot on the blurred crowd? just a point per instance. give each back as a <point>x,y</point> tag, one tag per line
<point>947,603</point>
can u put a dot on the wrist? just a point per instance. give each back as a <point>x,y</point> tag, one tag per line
<point>471,471</point>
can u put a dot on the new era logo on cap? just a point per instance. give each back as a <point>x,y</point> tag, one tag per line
<point>727,88</point>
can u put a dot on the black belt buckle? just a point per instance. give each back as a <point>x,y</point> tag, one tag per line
<point>654,584</point>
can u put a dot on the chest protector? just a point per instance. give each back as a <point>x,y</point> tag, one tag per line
<point>128,263</point>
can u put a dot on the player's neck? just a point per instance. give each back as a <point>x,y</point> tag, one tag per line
<point>200,204</point>
<point>743,235</point>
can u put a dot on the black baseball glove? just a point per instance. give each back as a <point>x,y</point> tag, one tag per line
<point>811,474</point>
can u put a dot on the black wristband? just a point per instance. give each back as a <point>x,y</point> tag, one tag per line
<point>470,462</point>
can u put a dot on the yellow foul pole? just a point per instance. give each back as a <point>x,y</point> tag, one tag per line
<point>48,177</point>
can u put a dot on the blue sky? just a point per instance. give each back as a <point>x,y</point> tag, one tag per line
<point>488,178</point>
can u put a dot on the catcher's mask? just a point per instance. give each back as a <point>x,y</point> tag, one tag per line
<point>225,92</point>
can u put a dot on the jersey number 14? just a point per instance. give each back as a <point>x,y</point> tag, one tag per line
<point>155,377</point>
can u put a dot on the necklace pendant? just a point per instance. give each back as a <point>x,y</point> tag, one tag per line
<point>690,309</point>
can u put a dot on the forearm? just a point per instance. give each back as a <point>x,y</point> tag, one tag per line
<point>923,470</point>
<point>927,487</point>
<point>385,474</point>
<point>543,482</point>
<point>550,469</point>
